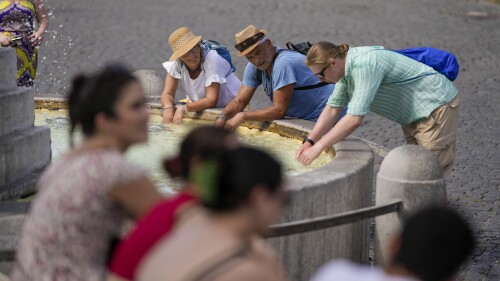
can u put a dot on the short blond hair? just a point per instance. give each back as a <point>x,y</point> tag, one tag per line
<point>321,52</point>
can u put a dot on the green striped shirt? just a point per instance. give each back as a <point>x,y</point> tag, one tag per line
<point>391,85</point>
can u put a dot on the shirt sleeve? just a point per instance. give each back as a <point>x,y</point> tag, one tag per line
<point>110,169</point>
<point>339,97</point>
<point>367,80</point>
<point>284,74</point>
<point>172,68</point>
<point>250,77</point>
<point>216,68</point>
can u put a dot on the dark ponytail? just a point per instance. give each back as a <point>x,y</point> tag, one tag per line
<point>203,140</point>
<point>226,180</point>
<point>90,95</point>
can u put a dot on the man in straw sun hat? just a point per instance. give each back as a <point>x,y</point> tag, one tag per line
<point>206,77</point>
<point>288,82</point>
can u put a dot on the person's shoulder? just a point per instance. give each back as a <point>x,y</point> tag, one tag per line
<point>115,165</point>
<point>252,270</point>
<point>213,57</point>
<point>250,66</point>
<point>289,57</point>
<point>365,51</point>
<point>345,270</point>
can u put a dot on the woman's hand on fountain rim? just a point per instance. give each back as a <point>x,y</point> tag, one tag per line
<point>179,113</point>
<point>168,115</point>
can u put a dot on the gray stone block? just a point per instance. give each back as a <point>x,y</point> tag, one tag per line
<point>152,82</point>
<point>22,153</point>
<point>8,69</point>
<point>342,185</point>
<point>410,174</point>
<point>22,187</point>
<point>16,110</point>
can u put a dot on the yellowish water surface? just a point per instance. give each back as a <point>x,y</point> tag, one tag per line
<point>164,142</point>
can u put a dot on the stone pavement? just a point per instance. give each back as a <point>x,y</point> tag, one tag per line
<point>84,34</point>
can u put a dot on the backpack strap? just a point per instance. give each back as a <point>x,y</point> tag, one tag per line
<point>258,73</point>
<point>314,86</point>
<point>219,265</point>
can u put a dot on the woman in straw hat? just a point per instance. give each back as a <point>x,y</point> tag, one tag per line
<point>206,77</point>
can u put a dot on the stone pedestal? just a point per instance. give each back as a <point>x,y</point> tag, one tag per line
<point>410,174</point>
<point>24,149</point>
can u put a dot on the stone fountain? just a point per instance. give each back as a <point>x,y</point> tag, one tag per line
<point>24,148</point>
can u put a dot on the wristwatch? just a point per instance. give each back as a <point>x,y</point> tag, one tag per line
<point>221,116</point>
<point>307,139</point>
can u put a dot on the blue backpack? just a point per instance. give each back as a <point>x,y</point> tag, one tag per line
<point>221,50</point>
<point>442,61</point>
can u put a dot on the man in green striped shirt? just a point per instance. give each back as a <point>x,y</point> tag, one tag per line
<point>389,84</point>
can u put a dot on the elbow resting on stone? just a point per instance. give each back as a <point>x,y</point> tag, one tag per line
<point>281,114</point>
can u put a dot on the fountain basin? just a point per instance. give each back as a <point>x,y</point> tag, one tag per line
<point>343,184</point>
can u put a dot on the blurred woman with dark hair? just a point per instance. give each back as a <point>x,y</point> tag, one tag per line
<point>162,218</point>
<point>242,195</point>
<point>86,195</point>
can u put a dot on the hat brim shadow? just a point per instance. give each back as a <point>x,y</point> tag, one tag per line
<point>185,48</point>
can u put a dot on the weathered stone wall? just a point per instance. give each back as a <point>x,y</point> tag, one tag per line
<point>24,149</point>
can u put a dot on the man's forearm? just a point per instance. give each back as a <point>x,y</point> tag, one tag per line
<point>266,114</point>
<point>340,131</point>
<point>326,120</point>
<point>233,108</point>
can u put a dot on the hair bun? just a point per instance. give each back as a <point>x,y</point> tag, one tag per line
<point>343,49</point>
<point>79,82</point>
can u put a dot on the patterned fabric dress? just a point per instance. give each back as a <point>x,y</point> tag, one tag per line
<point>72,221</point>
<point>17,20</point>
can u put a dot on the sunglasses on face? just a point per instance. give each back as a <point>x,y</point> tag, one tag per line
<point>249,42</point>
<point>321,74</point>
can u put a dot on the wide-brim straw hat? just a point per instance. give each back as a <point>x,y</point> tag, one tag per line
<point>182,41</point>
<point>247,34</point>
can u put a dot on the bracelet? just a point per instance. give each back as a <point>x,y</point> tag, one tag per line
<point>167,107</point>
<point>221,116</point>
<point>307,139</point>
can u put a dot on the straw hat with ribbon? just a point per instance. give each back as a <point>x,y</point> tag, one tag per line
<point>248,39</point>
<point>181,41</point>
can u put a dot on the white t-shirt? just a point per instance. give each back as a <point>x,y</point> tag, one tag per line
<point>347,271</point>
<point>215,69</point>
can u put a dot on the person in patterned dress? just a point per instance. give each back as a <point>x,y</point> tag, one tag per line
<point>17,30</point>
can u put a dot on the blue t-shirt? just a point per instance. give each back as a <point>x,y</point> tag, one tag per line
<point>290,68</point>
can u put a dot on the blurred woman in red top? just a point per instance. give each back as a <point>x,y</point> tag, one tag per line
<point>162,218</point>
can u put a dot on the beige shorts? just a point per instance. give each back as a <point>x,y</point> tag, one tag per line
<point>437,133</point>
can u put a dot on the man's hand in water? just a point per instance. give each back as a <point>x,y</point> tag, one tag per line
<point>301,149</point>
<point>219,123</point>
<point>310,154</point>
<point>233,123</point>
